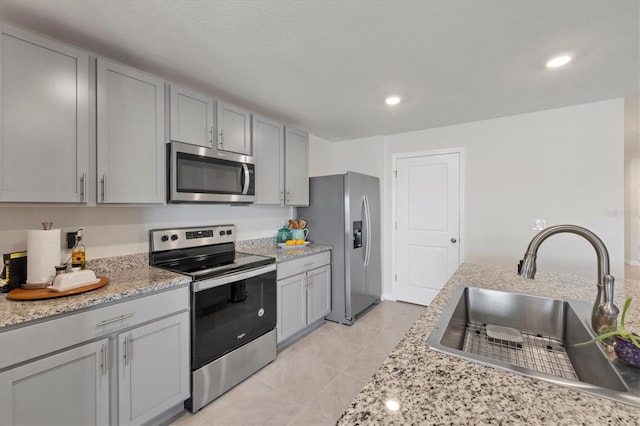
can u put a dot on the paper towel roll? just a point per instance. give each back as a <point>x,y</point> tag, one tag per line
<point>43,253</point>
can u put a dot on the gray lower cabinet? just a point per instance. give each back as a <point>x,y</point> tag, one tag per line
<point>130,135</point>
<point>68,388</point>
<point>126,363</point>
<point>44,119</point>
<point>153,366</point>
<point>304,293</point>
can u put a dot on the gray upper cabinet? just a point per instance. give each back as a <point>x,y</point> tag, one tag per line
<point>296,161</point>
<point>234,129</point>
<point>192,117</point>
<point>268,148</point>
<point>282,174</point>
<point>44,119</point>
<point>130,135</point>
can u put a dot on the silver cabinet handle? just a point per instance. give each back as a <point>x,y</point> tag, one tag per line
<point>453,240</point>
<point>127,350</point>
<point>120,318</point>
<point>105,358</point>
<point>83,187</point>
<point>211,132</point>
<point>103,182</point>
<point>220,139</point>
<point>288,197</point>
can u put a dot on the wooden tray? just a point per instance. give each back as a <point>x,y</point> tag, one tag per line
<point>44,293</point>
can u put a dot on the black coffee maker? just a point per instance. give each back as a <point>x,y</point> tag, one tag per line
<point>14,272</point>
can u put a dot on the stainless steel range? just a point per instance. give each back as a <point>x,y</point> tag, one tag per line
<point>233,305</point>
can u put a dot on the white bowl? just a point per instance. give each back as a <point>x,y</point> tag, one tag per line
<point>71,280</point>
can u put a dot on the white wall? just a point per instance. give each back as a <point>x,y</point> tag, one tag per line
<point>113,231</point>
<point>563,165</point>
<point>365,155</point>
<point>632,211</point>
<point>632,179</point>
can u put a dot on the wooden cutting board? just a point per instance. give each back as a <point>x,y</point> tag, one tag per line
<point>44,293</point>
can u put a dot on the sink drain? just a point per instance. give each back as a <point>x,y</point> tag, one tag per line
<point>533,351</point>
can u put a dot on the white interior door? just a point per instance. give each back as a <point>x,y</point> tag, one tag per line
<point>427,225</point>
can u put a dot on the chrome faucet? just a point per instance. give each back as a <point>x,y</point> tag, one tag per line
<point>604,315</point>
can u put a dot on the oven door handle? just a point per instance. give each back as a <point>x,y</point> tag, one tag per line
<point>216,282</point>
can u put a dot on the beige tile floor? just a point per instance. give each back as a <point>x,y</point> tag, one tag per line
<point>314,380</point>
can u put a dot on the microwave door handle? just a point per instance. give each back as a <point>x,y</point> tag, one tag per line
<point>245,180</point>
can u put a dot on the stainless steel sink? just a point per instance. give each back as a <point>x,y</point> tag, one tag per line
<point>538,341</point>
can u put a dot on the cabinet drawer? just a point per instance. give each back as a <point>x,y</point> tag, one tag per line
<point>298,266</point>
<point>32,341</point>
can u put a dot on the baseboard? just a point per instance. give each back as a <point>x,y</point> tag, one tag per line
<point>387,296</point>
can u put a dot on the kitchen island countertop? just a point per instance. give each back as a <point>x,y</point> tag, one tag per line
<point>434,388</point>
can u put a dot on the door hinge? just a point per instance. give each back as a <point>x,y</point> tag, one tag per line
<point>395,172</point>
<point>396,277</point>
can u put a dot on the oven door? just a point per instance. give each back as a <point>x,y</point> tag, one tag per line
<point>231,311</point>
<point>199,174</point>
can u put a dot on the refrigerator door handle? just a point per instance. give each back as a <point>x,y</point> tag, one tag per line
<point>367,218</point>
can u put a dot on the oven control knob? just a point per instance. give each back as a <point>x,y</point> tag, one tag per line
<point>222,233</point>
<point>174,237</point>
<point>165,238</point>
<point>260,312</point>
<point>229,232</point>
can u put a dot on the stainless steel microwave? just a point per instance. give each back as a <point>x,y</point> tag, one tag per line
<point>198,174</point>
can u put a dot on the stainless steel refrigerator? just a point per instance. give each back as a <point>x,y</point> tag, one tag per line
<point>344,212</point>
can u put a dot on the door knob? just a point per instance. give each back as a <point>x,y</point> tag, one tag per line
<point>453,240</point>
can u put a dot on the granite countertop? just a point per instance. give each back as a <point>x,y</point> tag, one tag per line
<point>129,276</point>
<point>284,254</point>
<point>434,388</point>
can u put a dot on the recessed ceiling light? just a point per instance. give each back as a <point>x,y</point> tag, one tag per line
<point>558,61</point>
<point>392,100</point>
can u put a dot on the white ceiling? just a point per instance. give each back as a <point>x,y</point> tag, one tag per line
<point>326,65</point>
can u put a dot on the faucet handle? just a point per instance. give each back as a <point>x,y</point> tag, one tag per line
<point>606,313</point>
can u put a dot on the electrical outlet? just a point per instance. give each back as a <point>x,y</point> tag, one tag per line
<point>538,224</point>
<point>71,239</point>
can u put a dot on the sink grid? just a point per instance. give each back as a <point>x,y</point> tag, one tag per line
<point>536,352</point>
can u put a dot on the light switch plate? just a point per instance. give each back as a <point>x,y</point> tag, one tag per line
<point>538,224</point>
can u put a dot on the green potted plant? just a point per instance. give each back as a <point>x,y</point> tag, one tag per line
<point>627,345</point>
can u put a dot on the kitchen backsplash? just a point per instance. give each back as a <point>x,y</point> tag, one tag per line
<point>119,231</point>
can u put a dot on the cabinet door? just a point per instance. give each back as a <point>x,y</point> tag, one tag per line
<point>268,149</point>
<point>234,129</point>
<point>130,135</point>
<point>153,369</point>
<point>296,167</point>
<point>192,116</point>
<point>69,388</point>
<point>44,127</point>
<point>292,306</point>
<point>318,293</point>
